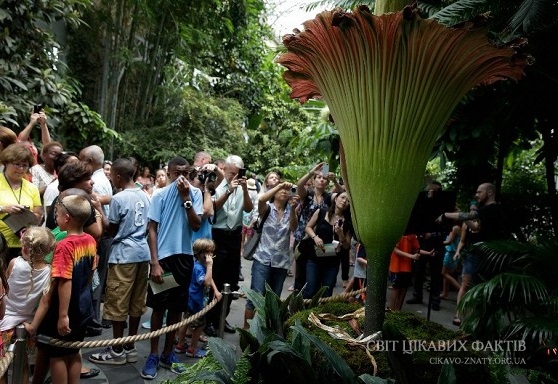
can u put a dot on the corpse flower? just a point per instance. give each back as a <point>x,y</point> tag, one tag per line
<point>391,83</point>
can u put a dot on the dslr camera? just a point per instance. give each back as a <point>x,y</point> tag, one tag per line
<point>205,174</point>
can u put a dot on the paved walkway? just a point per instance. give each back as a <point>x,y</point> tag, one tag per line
<point>130,373</point>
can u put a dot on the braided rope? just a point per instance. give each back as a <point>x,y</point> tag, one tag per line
<point>5,362</point>
<point>130,339</point>
<point>170,328</point>
<point>341,296</point>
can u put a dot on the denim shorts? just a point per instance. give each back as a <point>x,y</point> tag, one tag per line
<point>471,264</point>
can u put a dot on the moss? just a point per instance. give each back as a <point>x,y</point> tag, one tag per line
<point>413,327</point>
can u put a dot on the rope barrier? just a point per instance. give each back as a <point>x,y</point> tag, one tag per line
<point>5,362</point>
<point>170,328</point>
<point>126,339</point>
<point>343,296</point>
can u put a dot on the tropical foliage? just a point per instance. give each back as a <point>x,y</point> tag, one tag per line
<point>33,70</point>
<point>518,298</point>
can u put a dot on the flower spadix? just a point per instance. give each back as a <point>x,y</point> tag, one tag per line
<point>391,83</point>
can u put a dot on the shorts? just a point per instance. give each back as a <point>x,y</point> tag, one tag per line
<point>470,264</point>
<point>126,291</point>
<point>249,232</point>
<point>449,262</point>
<point>402,280</point>
<point>7,337</point>
<point>198,323</point>
<point>52,351</point>
<point>174,299</point>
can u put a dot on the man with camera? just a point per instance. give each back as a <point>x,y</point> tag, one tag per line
<point>205,177</point>
<point>231,199</point>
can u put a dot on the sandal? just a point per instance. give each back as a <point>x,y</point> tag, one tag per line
<point>456,321</point>
<point>202,339</point>
<point>198,353</point>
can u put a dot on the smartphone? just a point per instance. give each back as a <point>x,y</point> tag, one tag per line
<point>37,108</point>
<point>241,173</point>
<point>325,169</point>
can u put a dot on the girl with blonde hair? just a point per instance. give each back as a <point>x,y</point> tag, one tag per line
<point>28,277</point>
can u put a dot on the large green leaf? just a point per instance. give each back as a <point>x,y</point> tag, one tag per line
<point>339,365</point>
<point>224,353</point>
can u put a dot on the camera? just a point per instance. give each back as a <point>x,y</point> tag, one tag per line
<point>293,191</point>
<point>205,174</point>
<point>37,108</point>
<point>340,222</point>
<point>241,173</point>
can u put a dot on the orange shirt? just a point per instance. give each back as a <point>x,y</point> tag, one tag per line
<point>409,244</point>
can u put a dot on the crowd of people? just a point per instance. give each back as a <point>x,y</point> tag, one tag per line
<point>91,230</point>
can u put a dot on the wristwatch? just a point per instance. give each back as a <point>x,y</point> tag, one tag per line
<point>187,204</point>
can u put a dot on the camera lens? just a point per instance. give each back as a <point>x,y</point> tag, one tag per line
<point>293,189</point>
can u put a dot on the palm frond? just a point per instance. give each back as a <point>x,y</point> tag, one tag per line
<point>345,4</point>
<point>460,11</point>
<point>427,10</point>
<point>537,329</point>
<point>506,290</point>
<point>533,15</point>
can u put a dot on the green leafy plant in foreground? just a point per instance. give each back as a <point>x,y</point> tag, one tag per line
<point>272,357</point>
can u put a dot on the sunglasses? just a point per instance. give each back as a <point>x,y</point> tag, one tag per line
<point>60,202</point>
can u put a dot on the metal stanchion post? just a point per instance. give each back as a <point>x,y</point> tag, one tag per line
<point>224,308</point>
<point>20,351</point>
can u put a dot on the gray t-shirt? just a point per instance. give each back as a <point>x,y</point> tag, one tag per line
<point>129,210</point>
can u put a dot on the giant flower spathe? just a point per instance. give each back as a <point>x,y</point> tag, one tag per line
<point>391,83</point>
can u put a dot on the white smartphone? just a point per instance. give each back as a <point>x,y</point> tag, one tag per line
<point>325,169</point>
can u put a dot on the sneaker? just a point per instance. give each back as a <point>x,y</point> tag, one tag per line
<point>171,362</point>
<point>180,349</point>
<point>109,357</point>
<point>149,371</point>
<point>131,355</point>
<point>198,353</point>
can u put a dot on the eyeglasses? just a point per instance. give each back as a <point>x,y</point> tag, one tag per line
<point>60,202</point>
<point>20,166</point>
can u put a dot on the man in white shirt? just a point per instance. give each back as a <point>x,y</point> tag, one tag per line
<point>231,200</point>
<point>102,189</point>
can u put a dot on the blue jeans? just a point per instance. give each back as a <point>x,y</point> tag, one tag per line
<point>321,273</point>
<point>262,274</point>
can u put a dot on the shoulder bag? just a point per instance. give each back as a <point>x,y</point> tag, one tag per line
<point>252,244</point>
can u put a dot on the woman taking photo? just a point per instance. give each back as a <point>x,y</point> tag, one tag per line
<point>272,257</point>
<point>17,194</point>
<point>329,240</point>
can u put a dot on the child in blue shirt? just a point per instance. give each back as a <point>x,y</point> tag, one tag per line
<point>202,281</point>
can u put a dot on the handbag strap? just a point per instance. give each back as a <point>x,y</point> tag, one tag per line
<point>264,218</point>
